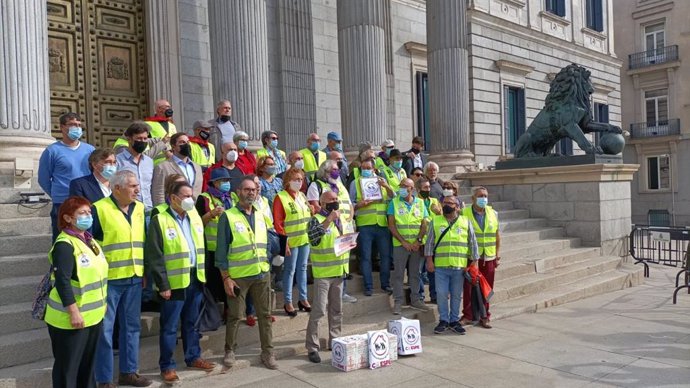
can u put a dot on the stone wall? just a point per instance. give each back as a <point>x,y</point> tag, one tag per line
<point>326,77</point>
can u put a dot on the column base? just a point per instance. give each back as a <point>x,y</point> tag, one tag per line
<point>12,147</point>
<point>453,162</point>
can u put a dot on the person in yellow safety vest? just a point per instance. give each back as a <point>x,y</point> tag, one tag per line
<point>407,221</point>
<point>269,139</point>
<point>242,257</point>
<point>162,128</point>
<point>394,172</point>
<point>329,270</point>
<point>175,257</point>
<point>203,152</point>
<point>372,224</point>
<point>119,225</point>
<point>485,222</point>
<point>450,246</point>
<point>327,178</point>
<point>313,156</point>
<point>296,161</point>
<point>382,159</point>
<point>76,304</point>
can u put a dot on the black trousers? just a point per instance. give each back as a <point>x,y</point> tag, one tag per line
<point>214,280</point>
<point>75,354</point>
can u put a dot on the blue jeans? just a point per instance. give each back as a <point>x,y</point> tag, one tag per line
<point>432,282</point>
<point>368,235</point>
<point>449,281</point>
<point>296,264</point>
<point>187,310</point>
<point>124,303</point>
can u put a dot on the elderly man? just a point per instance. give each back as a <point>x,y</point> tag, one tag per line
<point>328,269</point>
<point>484,219</point>
<point>203,152</point>
<point>335,144</point>
<point>134,158</point>
<point>180,163</point>
<point>269,139</point>
<point>431,172</point>
<point>224,127</point>
<point>387,146</point>
<point>229,162</point>
<point>313,156</point>
<point>119,227</point>
<point>450,247</point>
<point>246,161</point>
<point>161,129</point>
<point>63,161</point>
<point>96,185</point>
<point>339,158</point>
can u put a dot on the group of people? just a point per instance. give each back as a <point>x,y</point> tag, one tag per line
<point>165,214</point>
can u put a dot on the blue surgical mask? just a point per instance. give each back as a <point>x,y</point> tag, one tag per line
<point>271,170</point>
<point>224,187</point>
<point>367,173</point>
<point>315,145</point>
<point>338,147</point>
<point>84,222</point>
<point>108,171</point>
<point>388,151</point>
<point>397,164</point>
<point>242,144</point>
<point>403,192</point>
<point>74,133</point>
<point>482,202</point>
<point>274,144</point>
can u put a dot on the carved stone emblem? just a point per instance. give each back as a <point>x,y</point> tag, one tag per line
<point>56,61</point>
<point>117,69</point>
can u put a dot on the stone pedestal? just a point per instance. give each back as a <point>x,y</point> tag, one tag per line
<point>591,202</point>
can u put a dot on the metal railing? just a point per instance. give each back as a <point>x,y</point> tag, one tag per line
<point>653,57</point>
<point>653,129</point>
<point>665,245</point>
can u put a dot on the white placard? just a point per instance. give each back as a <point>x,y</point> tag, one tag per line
<point>345,243</point>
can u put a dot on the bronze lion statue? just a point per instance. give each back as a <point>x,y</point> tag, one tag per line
<point>566,114</point>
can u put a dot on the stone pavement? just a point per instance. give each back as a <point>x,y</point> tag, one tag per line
<point>634,338</point>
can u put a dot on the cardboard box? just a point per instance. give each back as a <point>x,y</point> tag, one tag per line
<point>409,335</point>
<point>393,346</point>
<point>350,353</point>
<point>379,349</point>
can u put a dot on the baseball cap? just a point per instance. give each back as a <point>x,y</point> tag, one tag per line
<point>334,136</point>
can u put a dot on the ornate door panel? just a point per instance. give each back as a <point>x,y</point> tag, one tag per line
<point>97,65</point>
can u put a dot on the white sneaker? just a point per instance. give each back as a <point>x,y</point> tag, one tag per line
<point>349,298</point>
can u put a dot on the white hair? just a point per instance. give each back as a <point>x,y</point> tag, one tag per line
<point>325,169</point>
<point>121,177</point>
<point>222,102</point>
<point>236,137</point>
<point>430,164</point>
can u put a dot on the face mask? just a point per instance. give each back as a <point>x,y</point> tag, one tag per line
<point>185,150</point>
<point>74,133</point>
<point>271,170</point>
<point>388,151</point>
<point>416,151</point>
<point>274,144</point>
<point>242,144</point>
<point>108,171</point>
<point>338,147</point>
<point>224,118</point>
<point>397,164</point>
<point>341,164</point>
<point>482,202</point>
<point>231,156</point>
<point>424,194</point>
<point>139,146</point>
<point>295,185</point>
<point>204,135</point>
<point>224,187</point>
<point>299,164</point>
<point>168,112</point>
<point>367,173</point>
<point>314,146</point>
<point>84,222</point>
<point>403,192</point>
<point>447,192</point>
<point>335,174</point>
<point>332,206</point>
<point>447,209</point>
<point>187,204</point>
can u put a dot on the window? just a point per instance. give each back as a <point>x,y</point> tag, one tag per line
<point>656,107</point>
<point>556,7</point>
<point>658,172</point>
<point>422,80</point>
<point>601,115</point>
<point>658,217</point>
<point>654,40</point>
<point>513,115</point>
<point>595,15</point>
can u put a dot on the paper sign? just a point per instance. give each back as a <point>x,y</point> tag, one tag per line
<point>660,236</point>
<point>371,190</point>
<point>345,243</point>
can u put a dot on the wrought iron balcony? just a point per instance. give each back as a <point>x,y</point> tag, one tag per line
<point>653,129</point>
<point>653,57</point>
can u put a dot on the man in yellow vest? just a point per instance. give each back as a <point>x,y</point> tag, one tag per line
<point>328,269</point>
<point>175,257</point>
<point>162,128</point>
<point>394,172</point>
<point>119,227</point>
<point>203,152</point>
<point>450,246</point>
<point>242,257</point>
<point>485,222</point>
<point>313,156</point>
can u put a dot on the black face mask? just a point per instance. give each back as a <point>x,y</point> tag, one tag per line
<point>424,194</point>
<point>224,118</point>
<point>416,151</point>
<point>168,112</point>
<point>340,164</point>
<point>447,209</point>
<point>332,206</point>
<point>204,135</point>
<point>139,146</point>
<point>185,150</point>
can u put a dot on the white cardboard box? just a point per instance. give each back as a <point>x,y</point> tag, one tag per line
<point>350,353</point>
<point>409,335</point>
<point>379,349</point>
<point>393,346</point>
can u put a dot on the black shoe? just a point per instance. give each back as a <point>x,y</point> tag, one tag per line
<point>368,292</point>
<point>388,289</point>
<point>302,306</point>
<point>441,327</point>
<point>314,357</point>
<point>349,276</point>
<point>456,328</point>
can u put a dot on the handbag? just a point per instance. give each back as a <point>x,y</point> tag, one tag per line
<point>40,302</point>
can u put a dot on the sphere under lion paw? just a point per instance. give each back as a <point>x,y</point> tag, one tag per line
<point>612,143</point>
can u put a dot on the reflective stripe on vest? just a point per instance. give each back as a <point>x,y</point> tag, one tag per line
<point>311,164</point>
<point>297,216</point>
<point>90,288</point>
<point>199,156</point>
<point>211,228</point>
<point>123,243</point>
<point>392,177</point>
<point>158,132</point>
<point>408,221</point>
<point>343,196</point>
<point>372,214</point>
<point>176,250</point>
<point>324,262</point>
<point>247,254</point>
<point>452,251</point>
<point>486,239</point>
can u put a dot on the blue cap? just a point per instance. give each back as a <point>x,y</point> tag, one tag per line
<point>334,136</point>
<point>219,173</point>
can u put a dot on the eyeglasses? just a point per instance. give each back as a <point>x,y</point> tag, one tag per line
<point>417,174</point>
<point>274,137</point>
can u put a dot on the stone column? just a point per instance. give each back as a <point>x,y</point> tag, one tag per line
<point>24,82</point>
<point>448,85</point>
<point>362,64</point>
<point>239,61</point>
<point>163,56</point>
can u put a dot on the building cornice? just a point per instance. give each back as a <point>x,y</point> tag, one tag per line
<point>652,9</point>
<point>514,67</point>
<point>418,4</point>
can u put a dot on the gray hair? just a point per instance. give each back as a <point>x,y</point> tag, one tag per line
<point>430,164</point>
<point>325,169</point>
<point>222,102</point>
<point>478,188</point>
<point>121,177</point>
<point>236,137</point>
<point>267,134</point>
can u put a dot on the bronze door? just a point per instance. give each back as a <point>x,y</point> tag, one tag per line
<point>97,65</point>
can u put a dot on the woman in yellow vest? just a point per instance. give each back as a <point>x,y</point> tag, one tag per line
<point>269,139</point>
<point>291,214</point>
<point>77,301</point>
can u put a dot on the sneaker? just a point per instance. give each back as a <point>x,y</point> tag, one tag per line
<point>170,377</point>
<point>441,327</point>
<point>229,359</point>
<point>349,298</point>
<point>314,357</point>
<point>456,328</point>
<point>269,360</point>
<point>397,309</point>
<point>202,364</point>
<point>133,380</point>
<point>388,289</point>
<point>368,292</point>
<point>419,305</point>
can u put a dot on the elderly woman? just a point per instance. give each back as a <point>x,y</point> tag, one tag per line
<point>431,172</point>
<point>291,215</point>
<point>270,184</point>
<point>76,304</point>
<point>450,189</point>
<point>269,139</point>
<point>246,161</point>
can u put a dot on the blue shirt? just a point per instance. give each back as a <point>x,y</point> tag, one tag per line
<point>143,171</point>
<point>59,165</point>
<point>186,227</point>
<point>187,168</point>
<point>391,208</point>
<point>271,189</point>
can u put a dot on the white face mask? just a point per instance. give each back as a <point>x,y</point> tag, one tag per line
<point>231,156</point>
<point>299,164</point>
<point>447,193</point>
<point>187,204</point>
<point>295,185</point>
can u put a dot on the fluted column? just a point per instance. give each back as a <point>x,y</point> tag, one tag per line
<point>239,61</point>
<point>24,81</point>
<point>362,60</point>
<point>448,64</point>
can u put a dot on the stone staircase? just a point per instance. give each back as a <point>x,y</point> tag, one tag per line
<point>540,267</point>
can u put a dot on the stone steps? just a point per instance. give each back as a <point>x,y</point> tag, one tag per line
<point>529,265</point>
<point>24,226</point>
<point>17,317</point>
<point>530,235</point>
<point>522,224</point>
<point>21,245</point>
<point>32,264</point>
<point>18,289</point>
<point>14,211</point>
